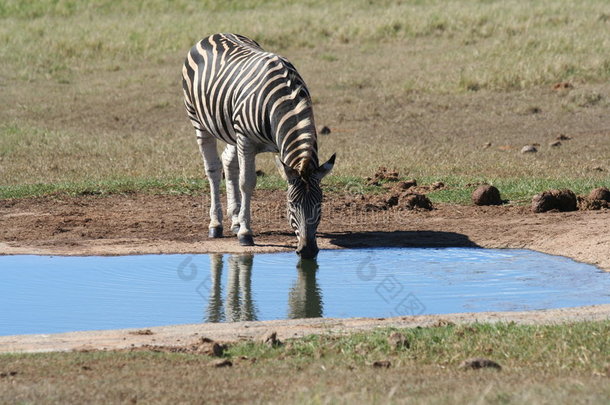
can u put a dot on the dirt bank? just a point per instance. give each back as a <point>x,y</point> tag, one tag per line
<point>132,224</point>
<point>184,335</point>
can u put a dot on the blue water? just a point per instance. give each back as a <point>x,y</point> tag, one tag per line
<point>50,294</point>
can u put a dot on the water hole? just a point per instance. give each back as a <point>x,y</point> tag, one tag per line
<point>51,294</point>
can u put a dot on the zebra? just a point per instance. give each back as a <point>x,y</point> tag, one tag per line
<point>255,101</point>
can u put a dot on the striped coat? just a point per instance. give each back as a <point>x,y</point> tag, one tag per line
<point>255,101</point>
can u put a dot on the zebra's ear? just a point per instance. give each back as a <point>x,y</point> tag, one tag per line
<point>326,167</point>
<point>287,172</point>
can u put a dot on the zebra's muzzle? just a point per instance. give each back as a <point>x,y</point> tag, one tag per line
<point>308,250</point>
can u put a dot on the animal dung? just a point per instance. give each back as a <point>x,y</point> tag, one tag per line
<point>597,199</point>
<point>325,130</point>
<point>600,193</point>
<point>479,363</point>
<point>417,201</point>
<point>486,195</point>
<point>559,200</point>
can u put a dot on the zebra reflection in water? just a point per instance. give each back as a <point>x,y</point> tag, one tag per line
<point>304,297</point>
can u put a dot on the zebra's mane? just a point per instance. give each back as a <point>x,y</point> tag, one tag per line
<point>306,160</point>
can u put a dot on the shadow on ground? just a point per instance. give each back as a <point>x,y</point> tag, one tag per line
<point>399,239</point>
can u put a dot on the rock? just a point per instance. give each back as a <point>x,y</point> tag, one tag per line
<point>414,201</point>
<point>397,341</point>
<point>561,200</point>
<point>221,363</point>
<point>486,195</point>
<point>529,149</point>
<point>437,185</point>
<point>479,363</point>
<point>600,193</point>
<point>562,137</point>
<point>555,144</point>
<point>271,339</point>
<point>325,130</point>
<point>487,145</point>
<point>382,364</point>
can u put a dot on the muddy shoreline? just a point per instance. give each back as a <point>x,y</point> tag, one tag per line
<point>151,224</point>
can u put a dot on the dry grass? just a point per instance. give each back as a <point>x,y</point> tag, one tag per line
<point>426,83</point>
<point>541,364</point>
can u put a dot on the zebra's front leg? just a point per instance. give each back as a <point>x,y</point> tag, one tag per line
<point>213,170</point>
<point>230,164</point>
<point>246,153</point>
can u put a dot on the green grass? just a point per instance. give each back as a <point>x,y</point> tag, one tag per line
<point>566,363</point>
<point>578,347</point>
<point>457,190</point>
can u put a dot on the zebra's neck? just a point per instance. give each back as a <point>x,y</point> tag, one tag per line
<point>295,133</point>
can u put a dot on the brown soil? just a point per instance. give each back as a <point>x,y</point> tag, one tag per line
<point>132,224</point>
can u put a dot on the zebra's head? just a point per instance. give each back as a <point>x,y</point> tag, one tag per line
<point>305,203</point>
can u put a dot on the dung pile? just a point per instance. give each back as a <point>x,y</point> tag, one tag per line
<point>486,195</point>
<point>400,194</point>
<point>383,174</point>
<point>558,200</point>
<point>408,200</point>
<point>597,199</point>
<point>414,201</point>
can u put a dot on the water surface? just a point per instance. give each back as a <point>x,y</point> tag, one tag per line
<point>50,294</point>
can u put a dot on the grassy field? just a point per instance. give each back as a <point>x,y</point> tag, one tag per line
<point>540,365</point>
<point>91,97</point>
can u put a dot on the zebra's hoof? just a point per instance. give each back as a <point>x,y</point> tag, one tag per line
<point>246,240</point>
<point>216,232</point>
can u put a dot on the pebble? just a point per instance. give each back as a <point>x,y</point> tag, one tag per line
<point>529,149</point>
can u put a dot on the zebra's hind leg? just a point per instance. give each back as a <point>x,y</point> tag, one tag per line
<point>230,164</point>
<point>213,167</point>
<point>246,153</point>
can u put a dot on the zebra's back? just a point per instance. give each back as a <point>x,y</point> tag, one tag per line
<point>231,85</point>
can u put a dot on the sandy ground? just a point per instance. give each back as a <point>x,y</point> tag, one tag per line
<point>187,335</point>
<point>138,224</point>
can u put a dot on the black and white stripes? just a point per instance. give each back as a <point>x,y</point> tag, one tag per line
<point>255,101</point>
<point>232,86</point>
